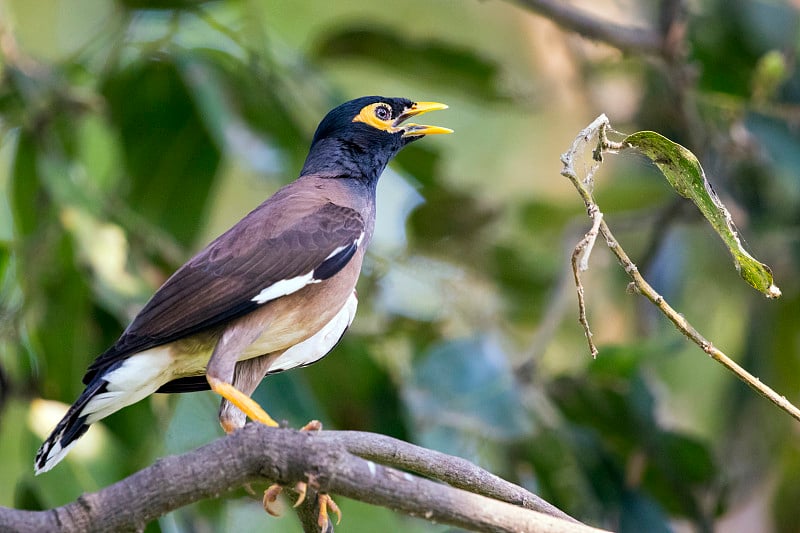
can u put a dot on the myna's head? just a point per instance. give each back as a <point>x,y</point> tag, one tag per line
<point>368,132</point>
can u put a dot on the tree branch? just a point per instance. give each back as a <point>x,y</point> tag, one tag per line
<point>449,469</point>
<point>329,461</point>
<point>626,38</point>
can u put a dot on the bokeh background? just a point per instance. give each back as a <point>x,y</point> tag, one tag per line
<point>132,132</point>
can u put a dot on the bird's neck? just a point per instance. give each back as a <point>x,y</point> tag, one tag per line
<point>340,158</point>
<point>341,190</point>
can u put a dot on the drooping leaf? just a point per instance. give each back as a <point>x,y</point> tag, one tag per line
<point>684,173</point>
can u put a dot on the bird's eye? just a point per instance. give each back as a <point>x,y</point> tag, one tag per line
<point>383,112</point>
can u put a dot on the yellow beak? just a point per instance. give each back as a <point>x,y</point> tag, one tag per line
<point>419,108</point>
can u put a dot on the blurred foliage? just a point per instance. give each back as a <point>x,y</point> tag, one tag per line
<point>133,132</point>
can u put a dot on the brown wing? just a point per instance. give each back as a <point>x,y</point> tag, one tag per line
<point>223,280</point>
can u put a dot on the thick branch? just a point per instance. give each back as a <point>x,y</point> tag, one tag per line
<point>626,38</point>
<point>326,460</point>
<point>449,469</point>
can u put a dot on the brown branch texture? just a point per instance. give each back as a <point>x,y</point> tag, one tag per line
<point>356,465</point>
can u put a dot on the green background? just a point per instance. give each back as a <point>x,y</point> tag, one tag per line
<point>131,136</point>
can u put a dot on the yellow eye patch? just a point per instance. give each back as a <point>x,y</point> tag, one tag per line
<point>373,115</point>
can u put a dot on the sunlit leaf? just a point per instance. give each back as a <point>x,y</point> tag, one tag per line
<point>684,173</point>
<point>771,71</point>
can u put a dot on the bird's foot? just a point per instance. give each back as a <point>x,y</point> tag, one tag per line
<point>325,502</point>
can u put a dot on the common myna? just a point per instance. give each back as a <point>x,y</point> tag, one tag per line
<point>274,292</point>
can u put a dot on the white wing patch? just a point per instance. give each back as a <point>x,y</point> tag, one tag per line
<point>284,287</point>
<point>357,242</point>
<point>318,345</point>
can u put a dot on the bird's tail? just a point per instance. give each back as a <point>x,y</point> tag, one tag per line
<point>122,384</point>
<point>69,429</point>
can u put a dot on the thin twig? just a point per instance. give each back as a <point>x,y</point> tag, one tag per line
<point>597,130</point>
<point>580,263</point>
<point>626,38</point>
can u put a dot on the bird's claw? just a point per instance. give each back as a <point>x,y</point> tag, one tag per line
<point>314,425</point>
<point>273,491</point>
<point>270,497</point>
<point>325,503</point>
<point>301,489</point>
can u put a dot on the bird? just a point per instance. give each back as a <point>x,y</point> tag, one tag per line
<point>274,292</point>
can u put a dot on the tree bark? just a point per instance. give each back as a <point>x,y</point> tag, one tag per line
<point>352,464</point>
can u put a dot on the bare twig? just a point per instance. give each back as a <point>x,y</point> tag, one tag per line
<point>287,456</point>
<point>626,38</point>
<point>597,130</point>
<point>580,263</point>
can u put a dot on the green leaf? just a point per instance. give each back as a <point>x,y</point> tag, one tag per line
<point>430,61</point>
<point>170,157</point>
<point>27,204</point>
<point>684,173</point>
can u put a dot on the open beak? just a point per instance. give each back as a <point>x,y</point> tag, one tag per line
<point>419,108</point>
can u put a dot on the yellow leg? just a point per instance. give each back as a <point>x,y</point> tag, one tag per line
<point>246,404</point>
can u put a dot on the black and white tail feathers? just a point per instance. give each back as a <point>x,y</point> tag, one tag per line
<point>122,384</point>
<point>69,430</point>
